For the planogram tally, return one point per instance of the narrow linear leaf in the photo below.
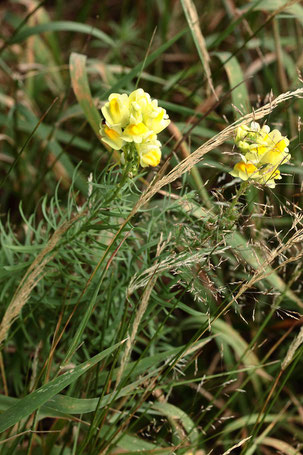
(62, 26)
(33, 401)
(280, 446)
(249, 420)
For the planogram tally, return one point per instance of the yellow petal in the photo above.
(249, 168)
(152, 158)
(136, 130)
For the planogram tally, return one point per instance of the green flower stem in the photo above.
(242, 189)
(124, 177)
(129, 154)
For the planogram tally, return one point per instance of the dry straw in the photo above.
(193, 21)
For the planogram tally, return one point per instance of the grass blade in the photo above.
(33, 401)
(62, 26)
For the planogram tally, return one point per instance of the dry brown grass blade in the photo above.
(193, 22)
(292, 349)
(281, 446)
(31, 278)
(239, 444)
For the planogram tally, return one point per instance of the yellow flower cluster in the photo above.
(262, 151)
(133, 122)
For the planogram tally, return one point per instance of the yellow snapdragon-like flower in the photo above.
(135, 132)
(156, 119)
(244, 170)
(140, 103)
(143, 109)
(248, 133)
(112, 137)
(263, 149)
(116, 111)
(149, 152)
(272, 148)
(268, 175)
(132, 124)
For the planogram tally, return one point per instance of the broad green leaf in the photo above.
(69, 405)
(135, 444)
(30, 403)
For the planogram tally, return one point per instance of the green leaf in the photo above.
(249, 420)
(295, 11)
(173, 413)
(237, 84)
(70, 405)
(62, 26)
(35, 400)
(24, 248)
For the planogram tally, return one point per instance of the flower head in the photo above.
(262, 152)
(133, 122)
